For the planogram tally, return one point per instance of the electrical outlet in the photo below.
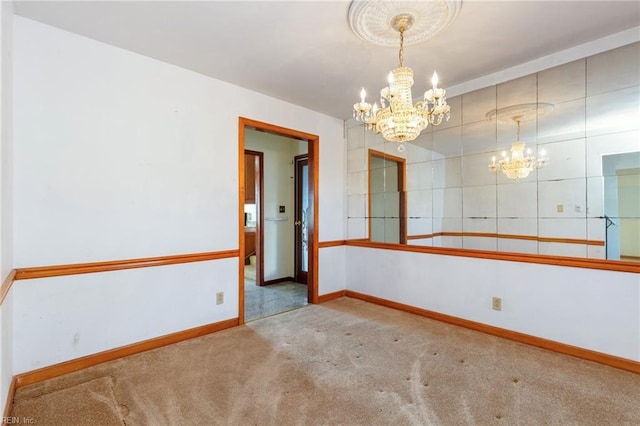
(560, 208)
(496, 304)
(219, 298)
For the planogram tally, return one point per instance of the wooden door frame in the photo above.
(259, 190)
(313, 152)
(300, 276)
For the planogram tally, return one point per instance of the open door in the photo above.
(301, 214)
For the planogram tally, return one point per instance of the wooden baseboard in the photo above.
(331, 296)
(10, 395)
(66, 367)
(587, 354)
(279, 280)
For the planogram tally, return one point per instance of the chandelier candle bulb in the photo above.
(434, 81)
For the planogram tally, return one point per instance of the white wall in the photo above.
(74, 316)
(6, 194)
(120, 156)
(332, 265)
(592, 309)
(6, 352)
(125, 145)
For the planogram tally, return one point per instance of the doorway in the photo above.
(279, 216)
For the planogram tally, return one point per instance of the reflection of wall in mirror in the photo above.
(621, 204)
(629, 210)
(384, 200)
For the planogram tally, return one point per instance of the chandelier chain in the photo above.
(401, 53)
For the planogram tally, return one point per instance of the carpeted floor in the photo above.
(262, 301)
(345, 362)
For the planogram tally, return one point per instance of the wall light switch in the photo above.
(281, 209)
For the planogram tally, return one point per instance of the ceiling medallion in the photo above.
(372, 20)
(398, 119)
(526, 112)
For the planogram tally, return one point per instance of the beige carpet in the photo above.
(60, 407)
(345, 362)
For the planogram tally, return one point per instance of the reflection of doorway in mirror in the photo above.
(387, 205)
(622, 205)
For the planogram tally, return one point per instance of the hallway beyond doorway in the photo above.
(263, 301)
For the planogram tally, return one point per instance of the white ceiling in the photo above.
(304, 52)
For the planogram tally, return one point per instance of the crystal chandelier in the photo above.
(398, 118)
(521, 162)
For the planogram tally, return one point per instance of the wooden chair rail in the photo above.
(116, 265)
(508, 236)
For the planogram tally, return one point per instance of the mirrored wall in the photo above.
(583, 116)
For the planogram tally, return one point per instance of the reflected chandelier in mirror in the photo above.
(521, 162)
